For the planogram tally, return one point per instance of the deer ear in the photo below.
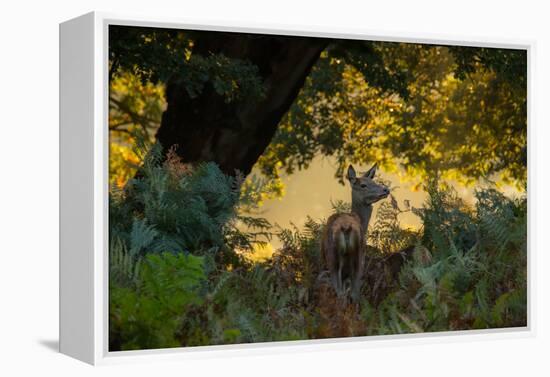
(371, 172)
(351, 174)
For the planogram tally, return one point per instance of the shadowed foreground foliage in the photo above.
(180, 276)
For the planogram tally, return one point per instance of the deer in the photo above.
(343, 243)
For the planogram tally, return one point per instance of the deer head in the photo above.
(364, 191)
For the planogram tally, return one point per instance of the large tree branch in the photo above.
(234, 135)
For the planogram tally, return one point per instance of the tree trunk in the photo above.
(234, 135)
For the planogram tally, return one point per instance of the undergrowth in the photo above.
(179, 275)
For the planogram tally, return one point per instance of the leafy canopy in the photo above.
(453, 113)
(458, 111)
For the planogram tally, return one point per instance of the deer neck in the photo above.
(364, 211)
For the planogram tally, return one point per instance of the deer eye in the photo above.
(363, 185)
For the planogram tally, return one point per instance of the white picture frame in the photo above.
(84, 191)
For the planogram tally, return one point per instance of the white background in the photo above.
(29, 185)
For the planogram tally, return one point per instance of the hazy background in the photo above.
(310, 192)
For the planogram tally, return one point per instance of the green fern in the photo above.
(178, 278)
(148, 315)
(141, 236)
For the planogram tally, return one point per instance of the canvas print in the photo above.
(268, 188)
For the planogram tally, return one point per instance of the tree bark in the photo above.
(234, 135)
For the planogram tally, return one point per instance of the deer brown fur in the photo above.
(344, 239)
